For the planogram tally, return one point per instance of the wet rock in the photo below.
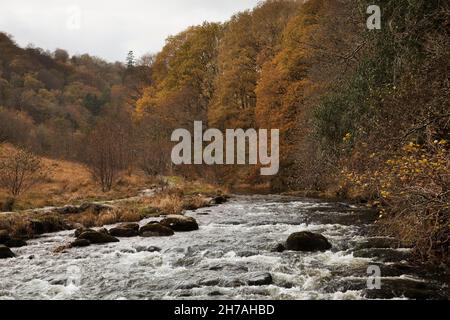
(125, 230)
(247, 253)
(15, 243)
(74, 226)
(209, 282)
(218, 200)
(385, 255)
(228, 267)
(382, 243)
(307, 242)
(279, 248)
(180, 223)
(80, 243)
(127, 251)
(4, 236)
(336, 216)
(103, 230)
(97, 237)
(147, 249)
(408, 288)
(5, 252)
(260, 279)
(155, 230)
(62, 249)
(79, 231)
(233, 283)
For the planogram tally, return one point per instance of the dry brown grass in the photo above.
(71, 183)
(174, 201)
(90, 219)
(168, 203)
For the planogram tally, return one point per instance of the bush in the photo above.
(20, 170)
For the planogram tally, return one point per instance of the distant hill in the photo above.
(48, 99)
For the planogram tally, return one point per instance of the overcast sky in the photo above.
(108, 28)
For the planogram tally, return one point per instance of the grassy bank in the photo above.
(77, 200)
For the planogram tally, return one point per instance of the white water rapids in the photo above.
(234, 244)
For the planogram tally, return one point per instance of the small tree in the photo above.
(19, 171)
(130, 60)
(109, 151)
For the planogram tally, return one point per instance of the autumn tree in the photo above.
(250, 39)
(19, 171)
(110, 149)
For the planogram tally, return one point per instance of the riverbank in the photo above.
(16, 228)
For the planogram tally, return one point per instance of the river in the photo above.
(233, 247)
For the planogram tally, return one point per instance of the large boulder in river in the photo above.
(180, 223)
(5, 252)
(125, 230)
(218, 200)
(260, 279)
(307, 242)
(80, 230)
(80, 243)
(15, 243)
(96, 237)
(155, 229)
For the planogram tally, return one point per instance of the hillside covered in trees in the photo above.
(363, 114)
(49, 101)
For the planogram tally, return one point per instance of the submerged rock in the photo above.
(15, 243)
(180, 223)
(260, 279)
(279, 248)
(103, 230)
(385, 255)
(80, 230)
(125, 230)
(218, 200)
(97, 237)
(408, 288)
(378, 242)
(147, 249)
(307, 242)
(155, 230)
(79, 243)
(5, 252)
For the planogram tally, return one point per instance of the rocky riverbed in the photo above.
(249, 248)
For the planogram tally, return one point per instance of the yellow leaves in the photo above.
(385, 194)
(411, 147)
(348, 137)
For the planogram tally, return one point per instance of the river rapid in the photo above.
(230, 257)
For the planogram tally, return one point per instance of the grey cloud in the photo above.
(106, 28)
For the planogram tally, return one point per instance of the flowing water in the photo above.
(234, 245)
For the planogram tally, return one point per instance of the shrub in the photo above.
(20, 170)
